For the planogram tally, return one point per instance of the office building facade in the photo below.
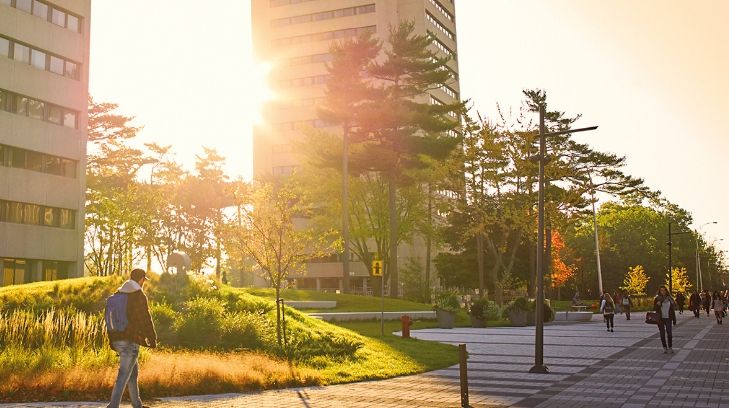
(294, 36)
(44, 71)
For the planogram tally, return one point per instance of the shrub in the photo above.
(247, 330)
(478, 308)
(446, 300)
(520, 303)
(164, 322)
(492, 311)
(200, 325)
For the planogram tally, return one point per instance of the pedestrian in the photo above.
(695, 304)
(607, 307)
(707, 301)
(627, 304)
(618, 299)
(665, 308)
(718, 306)
(680, 301)
(129, 325)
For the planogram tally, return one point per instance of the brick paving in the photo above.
(589, 367)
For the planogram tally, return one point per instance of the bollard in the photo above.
(405, 323)
(462, 357)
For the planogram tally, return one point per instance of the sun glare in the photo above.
(260, 89)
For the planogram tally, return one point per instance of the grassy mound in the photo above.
(345, 302)
(213, 339)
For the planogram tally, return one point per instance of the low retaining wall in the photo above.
(572, 316)
(311, 304)
(348, 316)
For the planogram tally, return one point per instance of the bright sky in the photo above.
(653, 74)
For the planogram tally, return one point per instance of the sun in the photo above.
(259, 89)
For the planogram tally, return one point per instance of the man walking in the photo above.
(129, 325)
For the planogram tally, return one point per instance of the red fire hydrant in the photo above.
(406, 322)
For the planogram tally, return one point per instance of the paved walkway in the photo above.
(589, 368)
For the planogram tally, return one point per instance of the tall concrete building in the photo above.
(294, 36)
(44, 71)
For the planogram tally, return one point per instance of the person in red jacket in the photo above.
(139, 331)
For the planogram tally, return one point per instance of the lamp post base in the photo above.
(539, 369)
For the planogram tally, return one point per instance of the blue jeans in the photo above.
(666, 325)
(128, 372)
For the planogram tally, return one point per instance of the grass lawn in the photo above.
(562, 305)
(345, 302)
(53, 372)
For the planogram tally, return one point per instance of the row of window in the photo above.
(16, 157)
(301, 124)
(436, 101)
(439, 26)
(448, 91)
(310, 59)
(39, 59)
(304, 81)
(277, 3)
(442, 9)
(323, 15)
(18, 271)
(284, 171)
(438, 44)
(327, 35)
(33, 108)
(48, 12)
(34, 214)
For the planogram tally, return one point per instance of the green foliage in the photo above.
(447, 300)
(492, 311)
(200, 323)
(478, 307)
(518, 304)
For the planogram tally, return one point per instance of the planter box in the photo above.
(446, 319)
(518, 318)
(478, 323)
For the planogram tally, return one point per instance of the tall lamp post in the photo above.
(539, 366)
(699, 277)
(597, 241)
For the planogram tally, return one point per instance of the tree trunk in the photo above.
(278, 314)
(392, 203)
(479, 261)
(428, 242)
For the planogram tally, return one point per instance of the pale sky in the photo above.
(653, 74)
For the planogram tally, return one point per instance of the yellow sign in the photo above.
(377, 268)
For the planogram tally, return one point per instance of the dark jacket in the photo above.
(658, 302)
(680, 299)
(140, 329)
(694, 300)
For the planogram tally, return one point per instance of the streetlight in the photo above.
(597, 241)
(539, 367)
(699, 278)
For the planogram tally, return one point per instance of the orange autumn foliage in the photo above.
(561, 272)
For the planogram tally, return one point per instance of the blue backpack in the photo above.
(115, 313)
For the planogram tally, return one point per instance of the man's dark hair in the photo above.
(138, 274)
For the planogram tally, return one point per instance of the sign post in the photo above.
(377, 271)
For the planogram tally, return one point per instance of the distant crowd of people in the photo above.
(664, 309)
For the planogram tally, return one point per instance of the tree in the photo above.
(270, 227)
(635, 281)
(681, 281)
(561, 272)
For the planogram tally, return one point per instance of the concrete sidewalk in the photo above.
(589, 368)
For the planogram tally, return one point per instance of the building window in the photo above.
(21, 105)
(35, 214)
(73, 23)
(323, 36)
(38, 58)
(21, 53)
(4, 47)
(40, 10)
(29, 160)
(24, 5)
(323, 15)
